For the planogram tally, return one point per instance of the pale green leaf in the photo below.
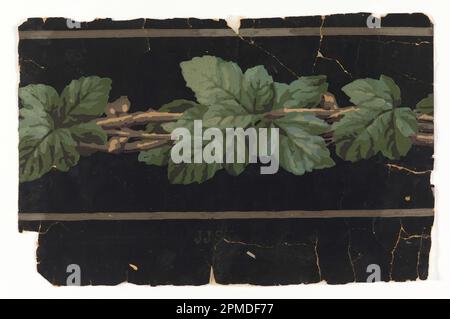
(213, 80)
(382, 94)
(301, 149)
(223, 116)
(305, 92)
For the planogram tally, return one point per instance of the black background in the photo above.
(182, 252)
(148, 72)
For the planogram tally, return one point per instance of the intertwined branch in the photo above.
(124, 139)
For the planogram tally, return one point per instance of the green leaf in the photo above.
(302, 93)
(351, 135)
(213, 80)
(378, 126)
(39, 98)
(301, 149)
(187, 119)
(307, 122)
(188, 173)
(217, 84)
(42, 146)
(257, 90)
(223, 116)
(46, 141)
(379, 94)
(235, 168)
(393, 89)
(176, 106)
(191, 111)
(391, 132)
(39, 154)
(426, 105)
(158, 156)
(84, 99)
(34, 122)
(233, 98)
(88, 133)
(364, 133)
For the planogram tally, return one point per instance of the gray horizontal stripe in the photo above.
(250, 32)
(419, 212)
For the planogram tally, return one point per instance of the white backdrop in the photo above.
(18, 274)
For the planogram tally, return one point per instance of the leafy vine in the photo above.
(56, 129)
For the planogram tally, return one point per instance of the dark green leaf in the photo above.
(34, 122)
(158, 156)
(363, 133)
(236, 168)
(42, 146)
(257, 90)
(177, 106)
(88, 133)
(426, 106)
(392, 132)
(39, 154)
(188, 173)
(351, 134)
(84, 99)
(39, 98)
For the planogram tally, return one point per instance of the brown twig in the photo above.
(328, 115)
(141, 118)
(138, 134)
(423, 140)
(138, 118)
(425, 117)
(124, 139)
(142, 145)
(126, 148)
